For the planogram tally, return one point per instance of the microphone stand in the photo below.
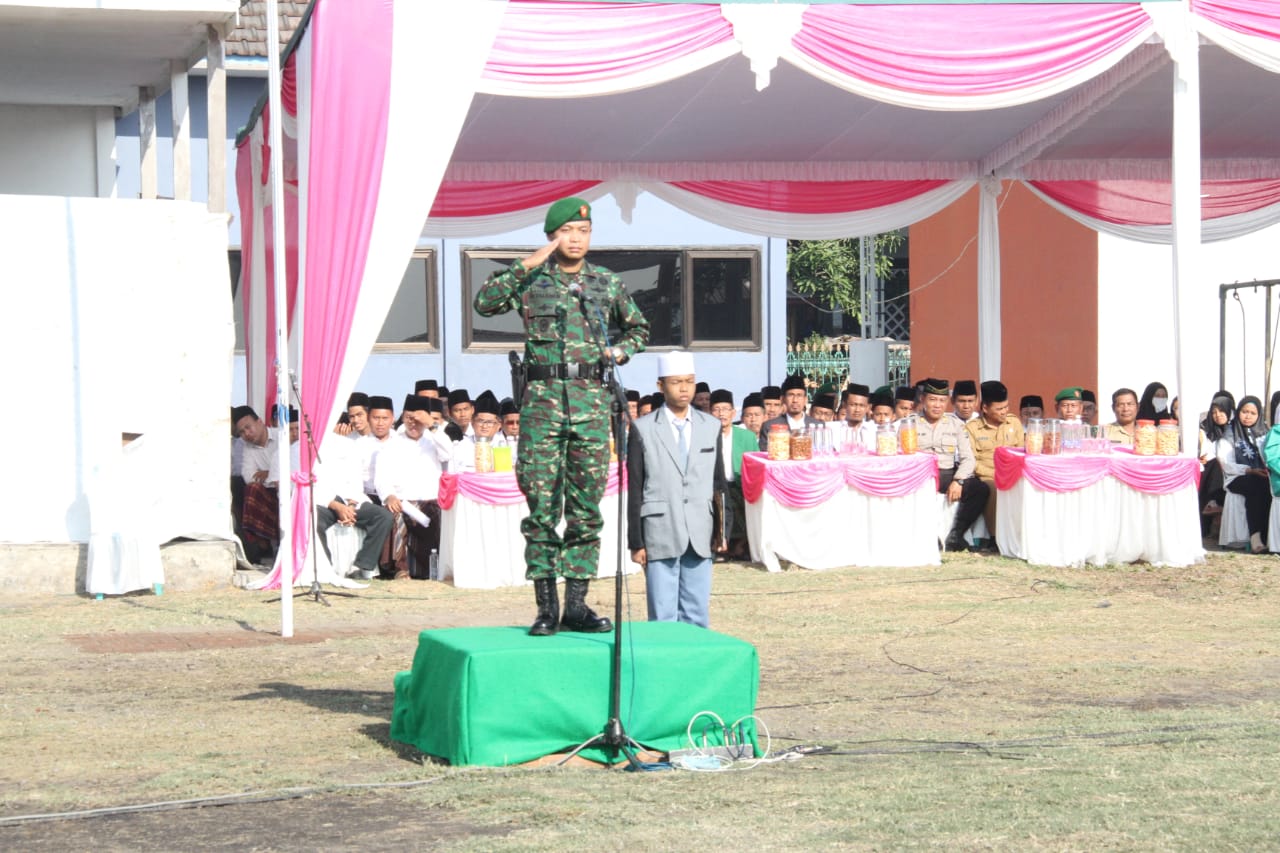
(614, 735)
(315, 593)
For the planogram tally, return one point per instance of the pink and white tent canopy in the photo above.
(780, 119)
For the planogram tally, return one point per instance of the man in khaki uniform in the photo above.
(943, 434)
(996, 427)
(1124, 402)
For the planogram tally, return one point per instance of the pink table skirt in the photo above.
(810, 483)
(498, 488)
(1154, 475)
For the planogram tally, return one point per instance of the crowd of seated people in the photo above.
(385, 477)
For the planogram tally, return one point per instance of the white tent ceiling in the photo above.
(712, 121)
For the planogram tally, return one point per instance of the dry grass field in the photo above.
(985, 704)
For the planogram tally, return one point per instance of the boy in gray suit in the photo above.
(674, 468)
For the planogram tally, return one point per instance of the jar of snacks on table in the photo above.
(1052, 429)
(779, 443)
(1033, 442)
(1167, 438)
(887, 440)
(801, 444)
(1144, 438)
(908, 436)
(484, 455)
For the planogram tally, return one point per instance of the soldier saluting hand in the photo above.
(564, 422)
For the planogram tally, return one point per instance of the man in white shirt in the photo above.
(339, 479)
(857, 414)
(460, 411)
(408, 475)
(381, 418)
(485, 421)
(260, 518)
(510, 426)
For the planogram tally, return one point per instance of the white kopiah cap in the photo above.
(675, 363)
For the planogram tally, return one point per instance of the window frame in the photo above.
(429, 254)
(688, 256)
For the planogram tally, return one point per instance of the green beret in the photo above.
(572, 209)
(1068, 394)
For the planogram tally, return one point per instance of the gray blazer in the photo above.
(670, 508)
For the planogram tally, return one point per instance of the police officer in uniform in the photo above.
(943, 434)
(564, 417)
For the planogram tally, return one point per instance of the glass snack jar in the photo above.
(1144, 438)
(908, 435)
(801, 444)
(1167, 438)
(779, 443)
(1033, 442)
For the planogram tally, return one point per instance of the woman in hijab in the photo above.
(1216, 424)
(1154, 404)
(1240, 455)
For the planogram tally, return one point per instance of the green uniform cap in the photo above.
(572, 209)
(1068, 394)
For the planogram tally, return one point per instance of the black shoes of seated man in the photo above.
(577, 615)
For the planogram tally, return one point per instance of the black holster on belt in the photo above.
(519, 378)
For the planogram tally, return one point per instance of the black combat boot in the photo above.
(544, 590)
(577, 615)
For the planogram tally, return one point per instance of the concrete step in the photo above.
(59, 568)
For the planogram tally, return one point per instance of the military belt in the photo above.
(579, 370)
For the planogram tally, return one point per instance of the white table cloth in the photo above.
(1104, 521)
(820, 521)
(481, 546)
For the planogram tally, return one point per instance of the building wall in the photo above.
(654, 224)
(1135, 318)
(1049, 313)
(48, 150)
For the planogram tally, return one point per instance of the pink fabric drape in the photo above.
(1259, 18)
(1155, 475)
(1010, 46)
(499, 488)
(810, 483)
(549, 43)
(350, 98)
(809, 196)
(1150, 202)
(488, 198)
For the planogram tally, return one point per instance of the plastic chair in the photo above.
(344, 543)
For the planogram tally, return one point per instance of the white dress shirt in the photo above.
(257, 458)
(409, 470)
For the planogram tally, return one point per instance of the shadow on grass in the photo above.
(146, 600)
(373, 703)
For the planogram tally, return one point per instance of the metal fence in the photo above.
(828, 363)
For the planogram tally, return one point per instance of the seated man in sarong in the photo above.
(260, 518)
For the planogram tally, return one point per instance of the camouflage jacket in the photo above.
(555, 325)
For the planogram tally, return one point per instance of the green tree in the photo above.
(829, 271)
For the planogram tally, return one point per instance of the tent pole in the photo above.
(284, 558)
(1183, 43)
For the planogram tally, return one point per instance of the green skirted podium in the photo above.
(496, 696)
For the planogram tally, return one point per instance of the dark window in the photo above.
(724, 301)
(411, 320)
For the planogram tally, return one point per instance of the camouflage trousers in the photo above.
(562, 469)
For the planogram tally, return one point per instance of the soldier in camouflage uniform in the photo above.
(564, 419)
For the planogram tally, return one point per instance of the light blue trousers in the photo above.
(679, 589)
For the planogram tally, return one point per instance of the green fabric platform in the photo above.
(496, 696)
